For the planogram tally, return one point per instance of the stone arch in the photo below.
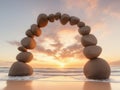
(95, 68)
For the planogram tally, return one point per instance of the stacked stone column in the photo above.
(95, 68)
(21, 68)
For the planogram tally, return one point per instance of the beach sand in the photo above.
(57, 83)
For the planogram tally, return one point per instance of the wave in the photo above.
(44, 73)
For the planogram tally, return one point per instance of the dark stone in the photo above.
(20, 69)
(97, 69)
(42, 20)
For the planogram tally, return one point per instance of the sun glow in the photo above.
(41, 59)
(61, 65)
(44, 61)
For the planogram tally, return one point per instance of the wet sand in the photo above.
(62, 84)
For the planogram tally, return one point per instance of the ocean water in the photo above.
(44, 74)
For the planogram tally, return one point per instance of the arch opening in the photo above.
(95, 68)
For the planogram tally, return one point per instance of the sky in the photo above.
(59, 45)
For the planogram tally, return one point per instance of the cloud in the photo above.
(81, 3)
(57, 48)
(51, 42)
(109, 7)
(115, 63)
(60, 52)
(74, 50)
(112, 12)
(101, 29)
(15, 43)
(94, 9)
(87, 6)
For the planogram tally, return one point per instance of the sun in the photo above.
(62, 65)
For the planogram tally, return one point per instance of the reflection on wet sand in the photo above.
(18, 85)
(56, 83)
(97, 86)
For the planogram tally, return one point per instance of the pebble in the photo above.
(84, 30)
(28, 42)
(51, 17)
(81, 24)
(42, 20)
(92, 51)
(23, 49)
(36, 30)
(29, 33)
(24, 57)
(57, 15)
(74, 20)
(88, 40)
(64, 19)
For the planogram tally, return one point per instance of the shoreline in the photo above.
(48, 84)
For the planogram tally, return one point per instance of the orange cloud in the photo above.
(87, 5)
(66, 45)
(93, 4)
